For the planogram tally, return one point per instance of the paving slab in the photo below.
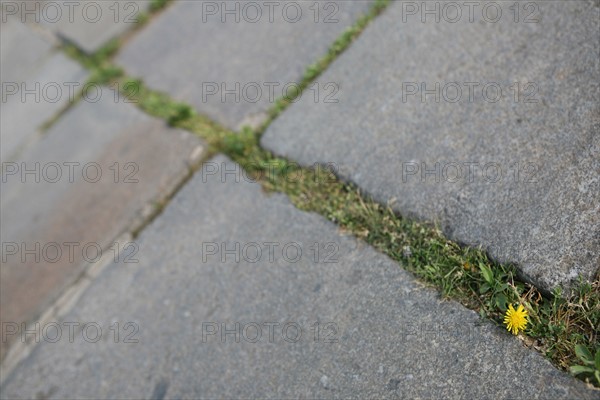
(231, 60)
(23, 50)
(271, 317)
(487, 126)
(37, 82)
(96, 174)
(88, 24)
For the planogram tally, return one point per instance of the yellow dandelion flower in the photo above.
(515, 320)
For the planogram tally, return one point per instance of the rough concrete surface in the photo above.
(380, 333)
(505, 153)
(233, 71)
(89, 24)
(37, 82)
(95, 174)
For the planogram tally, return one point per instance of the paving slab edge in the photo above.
(61, 305)
(19, 350)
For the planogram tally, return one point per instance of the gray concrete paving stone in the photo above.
(88, 180)
(87, 23)
(504, 152)
(37, 82)
(22, 51)
(233, 71)
(380, 333)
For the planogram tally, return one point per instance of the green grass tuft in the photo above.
(559, 326)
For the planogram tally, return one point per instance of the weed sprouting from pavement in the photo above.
(558, 325)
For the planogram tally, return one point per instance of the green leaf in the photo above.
(584, 354)
(598, 361)
(484, 288)
(487, 273)
(580, 369)
(501, 301)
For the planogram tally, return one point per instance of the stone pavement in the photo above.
(87, 24)
(271, 322)
(226, 69)
(97, 173)
(29, 63)
(175, 312)
(511, 167)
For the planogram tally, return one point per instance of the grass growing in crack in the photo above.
(591, 363)
(97, 60)
(143, 17)
(160, 105)
(558, 326)
(102, 70)
(156, 5)
(313, 71)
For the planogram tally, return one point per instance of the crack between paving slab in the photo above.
(57, 308)
(19, 350)
(59, 42)
(222, 140)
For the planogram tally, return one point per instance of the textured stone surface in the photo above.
(188, 48)
(66, 206)
(91, 29)
(35, 85)
(87, 23)
(22, 51)
(388, 336)
(543, 212)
